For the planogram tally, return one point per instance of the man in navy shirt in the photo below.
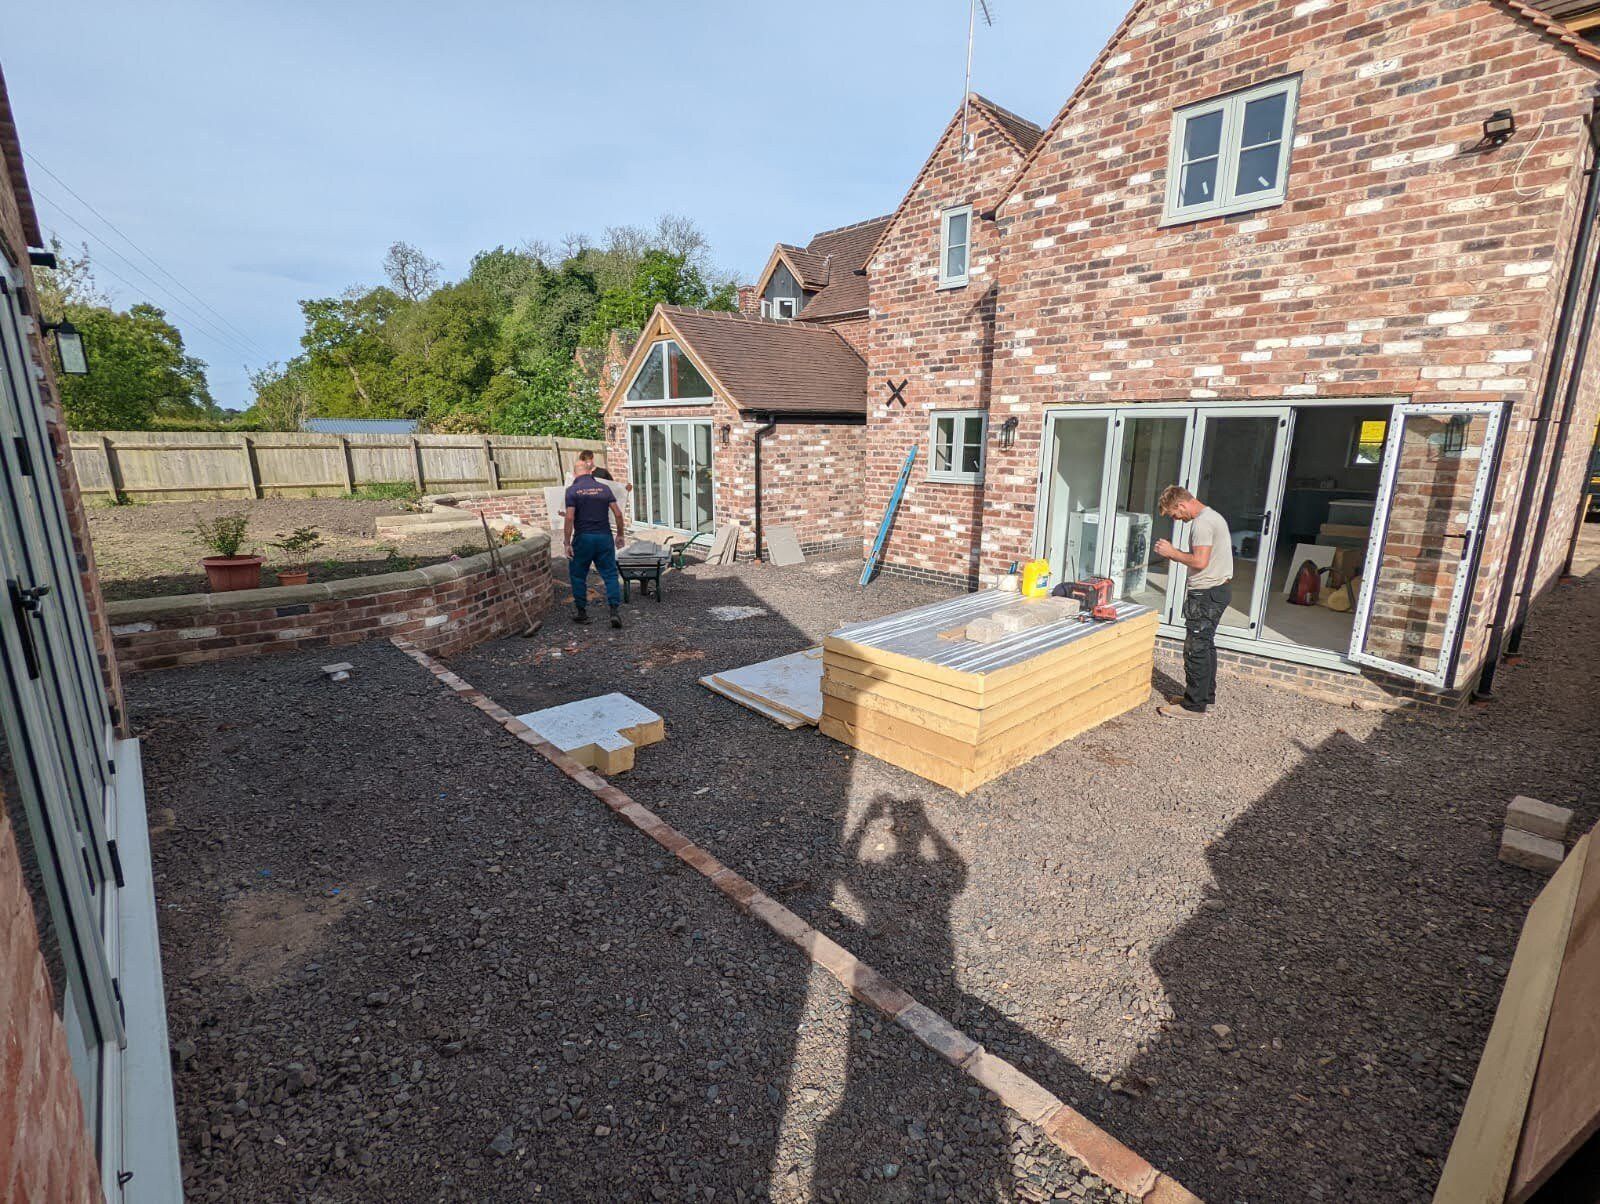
(590, 504)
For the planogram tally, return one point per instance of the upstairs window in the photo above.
(667, 377)
(780, 307)
(955, 245)
(1231, 155)
(958, 446)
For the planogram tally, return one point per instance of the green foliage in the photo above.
(138, 372)
(515, 347)
(223, 535)
(387, 491)
(299, 544)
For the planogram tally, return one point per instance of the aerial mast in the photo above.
(966, 86)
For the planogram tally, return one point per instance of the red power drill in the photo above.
(1094, 598)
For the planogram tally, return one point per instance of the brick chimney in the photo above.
(749, 300)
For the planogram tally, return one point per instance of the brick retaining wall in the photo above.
(443, 608)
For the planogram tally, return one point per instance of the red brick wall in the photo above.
(811, 472)
(45, 1151)
(441, 609)
(855, 331)
(942, 341)
(1403, 263)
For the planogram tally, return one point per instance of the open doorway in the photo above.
(1330, 488)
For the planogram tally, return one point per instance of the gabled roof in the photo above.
(760, 364)
(1019, 132)
(845, 252)
(1527, 12)
(11, 147)
(1546, 17)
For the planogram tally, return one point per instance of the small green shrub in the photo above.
(387, 491)
(464, 550)
(223, 535)
(299, 544)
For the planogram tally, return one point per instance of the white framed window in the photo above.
(785, 307)
(667, 377)
(1367, 438)
(766, 308)
(955, 246)
(1231, 154)
(957, 440)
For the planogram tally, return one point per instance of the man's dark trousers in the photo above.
(595, 548)
(1202, 611)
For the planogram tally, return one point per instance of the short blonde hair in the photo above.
(1171, 496)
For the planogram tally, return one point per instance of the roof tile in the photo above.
(770, 365)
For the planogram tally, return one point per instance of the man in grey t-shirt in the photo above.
(1210, 564)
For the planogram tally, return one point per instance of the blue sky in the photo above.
(262, 152)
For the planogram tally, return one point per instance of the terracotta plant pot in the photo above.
(225, 573)
(294, 577)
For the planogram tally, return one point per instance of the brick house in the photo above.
(85, 1086)
(1326, 262)
(753, 418)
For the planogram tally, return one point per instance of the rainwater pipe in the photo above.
(1541, 429)
(761, 433)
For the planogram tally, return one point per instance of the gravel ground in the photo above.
(1264, 953)
(407, 960)
(144, 550)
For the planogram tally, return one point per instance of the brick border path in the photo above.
(1066, 1128)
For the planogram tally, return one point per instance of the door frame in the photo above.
(1477, 519)
(710, 424)
(1173, 609)
(1047, 463)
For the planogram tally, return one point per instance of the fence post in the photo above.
(252, 477)
(491, 470)
(346, 465)
(416, 464)
(113, 469)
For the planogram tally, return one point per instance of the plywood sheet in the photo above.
(783, 545)
(1478, 1167)
(601, 733)
(791, 684)
(1564, 1108)
(793, 723)
(555, 506)
(724, 545)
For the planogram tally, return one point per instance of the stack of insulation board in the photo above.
(909, 691)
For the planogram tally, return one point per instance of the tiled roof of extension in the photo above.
(1546, 17)
(12, 147)
(1014, 126)
(844, 251)
(767, 365)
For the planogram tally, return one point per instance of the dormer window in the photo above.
(785, 308)
(668, 377)
(1231, 154)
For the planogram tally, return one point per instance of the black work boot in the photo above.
(616, 617)
(580, 615)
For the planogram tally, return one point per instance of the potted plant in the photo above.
(298, 546)
(225, 568)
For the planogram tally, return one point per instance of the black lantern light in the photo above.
(724, 433)
(1498, 127)
(1008, 432)
(69, 349)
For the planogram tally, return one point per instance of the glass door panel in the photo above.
(639, 471)
(1150, 455)
(1425, 531)
(1238, 474)
(682, 478)
(1075, 477)
(660, 477)
(702, 477)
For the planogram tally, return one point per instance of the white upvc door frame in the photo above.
(1476, 519)
(643, 498)
(1272, 502)
(1047, 460)
(1173, 611)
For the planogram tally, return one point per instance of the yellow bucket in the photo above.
(1036, 579)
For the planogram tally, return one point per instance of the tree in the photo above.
(70, 282)
(283, 396)
(138, 372)
(411, 273)
(349, 354)
(661, 278)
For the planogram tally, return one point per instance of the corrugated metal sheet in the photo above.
(360, 426)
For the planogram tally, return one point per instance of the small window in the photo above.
(955, 246)
(958, 446)
(766, 308)
(1366, 443)
(1231, 155)
(785, 307)
(667, 376)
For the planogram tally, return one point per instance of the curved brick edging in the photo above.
(524, 505)
(443, 608)
(1062, 1125)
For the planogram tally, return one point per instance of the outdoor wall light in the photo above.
(69, 348)
(611, 430)
(724, 433)
(1008, 432)
(1498, 127)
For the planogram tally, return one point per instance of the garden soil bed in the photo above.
(144, 550)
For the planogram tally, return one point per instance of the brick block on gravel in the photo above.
(1100, 1152)
(867, 986)
(698, 859)
(937, 1033)
(640, 817)
(1015, 1090)
(1531, 852)
(1539, 818)
(780, 919)
(740, 889)
(831, 956)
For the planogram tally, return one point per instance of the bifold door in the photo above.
(1426, 527)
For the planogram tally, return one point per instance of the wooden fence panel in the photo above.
(177, 465)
